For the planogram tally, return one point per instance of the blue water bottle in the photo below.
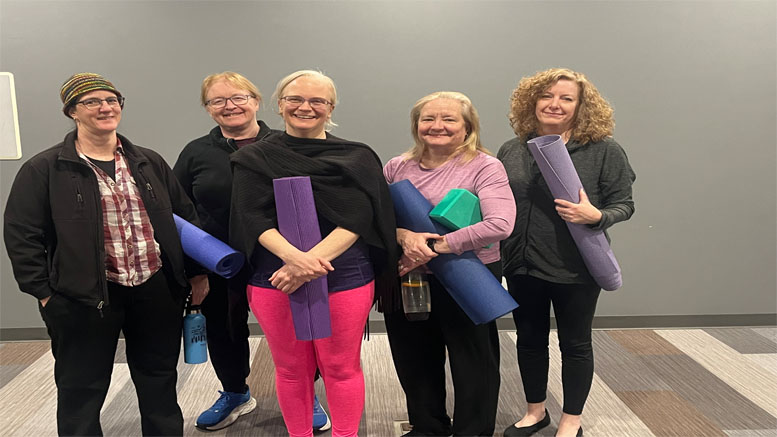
(195, 339)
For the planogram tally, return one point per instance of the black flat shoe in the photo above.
(580, 432)
(514, 431)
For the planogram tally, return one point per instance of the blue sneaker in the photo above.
(320, 418)
(226, 410)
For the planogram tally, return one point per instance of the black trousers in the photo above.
(83, 343)
(574, 306)
(418, 349)
(229, 352)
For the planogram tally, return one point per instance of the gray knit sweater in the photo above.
(541, 245)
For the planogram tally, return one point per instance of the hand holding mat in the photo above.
(207, 250)
(298, 223)
(559, 173)
(467, 280)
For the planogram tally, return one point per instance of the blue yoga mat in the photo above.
(207, 250)
(298, 223)
(559, 173)
(468, 281)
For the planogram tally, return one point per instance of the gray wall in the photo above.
(692, 84)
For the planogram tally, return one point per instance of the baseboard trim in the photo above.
(506, 324)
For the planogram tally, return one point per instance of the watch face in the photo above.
(430, 243)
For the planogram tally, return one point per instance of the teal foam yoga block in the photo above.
(458, 209)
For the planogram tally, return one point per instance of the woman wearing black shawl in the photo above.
(357, 253)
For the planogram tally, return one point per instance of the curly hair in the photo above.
(471, 145)
(593, 119)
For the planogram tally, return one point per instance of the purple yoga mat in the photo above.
(558, 171)
(298, 223)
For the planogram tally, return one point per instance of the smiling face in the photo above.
(99, 121)
(556, 107)
(232, 117)
(441, 125)
(304, 121)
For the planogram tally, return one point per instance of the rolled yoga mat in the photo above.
(467, 280)
(298, 223)
(559, 173)
(207, 250)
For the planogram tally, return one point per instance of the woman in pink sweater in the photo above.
(448, 154)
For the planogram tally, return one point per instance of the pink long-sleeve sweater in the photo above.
(485, 177)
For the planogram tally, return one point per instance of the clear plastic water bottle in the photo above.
(195, 338)
(415, 296)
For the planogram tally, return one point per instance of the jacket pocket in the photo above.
(71, 200)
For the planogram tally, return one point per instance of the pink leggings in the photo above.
(336, 357)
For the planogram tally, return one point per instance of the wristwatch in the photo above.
(430, 244)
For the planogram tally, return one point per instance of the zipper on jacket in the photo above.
(149, 188)
(99, 244)
(79, 197)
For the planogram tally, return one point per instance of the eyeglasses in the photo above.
(315, 102)
(95, 103)
(220, 102)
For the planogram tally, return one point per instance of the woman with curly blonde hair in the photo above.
(541, 261)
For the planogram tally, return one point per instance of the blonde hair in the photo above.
(283, 83)
(471, 145)
(593, 119)
(237, 80)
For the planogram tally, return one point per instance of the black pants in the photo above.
(83, 343)
(229, 352)
(418, 349)
(574, 306)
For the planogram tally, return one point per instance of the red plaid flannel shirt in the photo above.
(132, 255)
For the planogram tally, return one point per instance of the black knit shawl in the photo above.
(348, 187)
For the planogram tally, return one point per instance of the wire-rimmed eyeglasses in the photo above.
(220, 102)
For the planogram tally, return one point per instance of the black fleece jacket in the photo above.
(53, 228)
(204, 171)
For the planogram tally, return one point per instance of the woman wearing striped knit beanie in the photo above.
(90, 233)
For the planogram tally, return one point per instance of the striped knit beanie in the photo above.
(80, 84)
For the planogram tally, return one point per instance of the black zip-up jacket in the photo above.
(204, 171)
(53, 226)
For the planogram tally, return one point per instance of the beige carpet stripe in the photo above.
(25, 395)
(667, 414)
(512, 400)
(119, 379)
(750, 432)
(752, 380)
(643, 342)
(198, 392)
(267, 418)
(605, 413)
(384, 401)
(767, 361)
(43, 422)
